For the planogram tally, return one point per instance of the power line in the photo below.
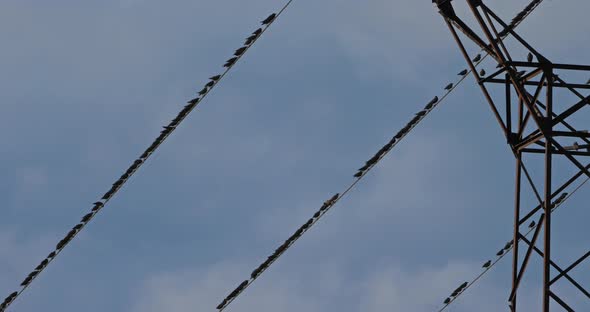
(168, 129)
(370, 164)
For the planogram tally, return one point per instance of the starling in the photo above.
(532, 225)
(317, 214)
(487, 264)
(98, 203)
(463, 72)
(240, 51)
(449, 86)
(421, 113)
(482, 72)
(508, 245)
(51, 255)
(358, 174)
(222, 304)
(230, 62)
(194, 101)
(431, 103)
(447, 301)
(203, 91)
(78, 227)
(87, 217)
(499, 253)
(250, 39)
(477, 58)
(269, 19)
(215, 78)
(26, 281)
(529, 57)
(463, 285)
(257, 32)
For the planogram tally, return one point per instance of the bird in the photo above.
(463, 285)
(230, 62)
(532, 225)
(317, 214)
(203, 91)
(449, 86)
(194, 101)
(487, 264)
(508, 245)
(431, 103)
(529, 57)
(210, 84)
(78, 227)
(51, 255)
(168, 128)
(482, 72)
(240, 51)
(87, 217)
(463, 72)
(250, 39)
(257, 32)
(499, 253)
(26, 281)
(269, 19)
(477, 58)
(421, 113)
(447, 300)
(215, 78)
(358, 174)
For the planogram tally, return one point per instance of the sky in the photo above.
(86, 87)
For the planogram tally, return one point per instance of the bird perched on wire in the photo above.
(249, 40)
(431, 103)
(210, 84)
(269, 19)
(463, 72)
(529, 57)
(230, 62)
(482, 72)
(203, 91)
(499, 253)
(240, 51)
(487, 264)
(257, 32)
(532, 225)
(449, 86)
(477, 58)
(447, 300)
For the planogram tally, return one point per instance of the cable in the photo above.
(370, 164)
(168, 129)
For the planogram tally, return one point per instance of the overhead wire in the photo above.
(137, 163)
(370, 164)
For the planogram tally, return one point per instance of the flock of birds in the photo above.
(167, 130)
(318, 214)
(501, 253)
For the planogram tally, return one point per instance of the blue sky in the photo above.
(86, 88)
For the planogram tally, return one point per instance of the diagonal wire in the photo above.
(328, 204)
(168, 129)
(564, 197)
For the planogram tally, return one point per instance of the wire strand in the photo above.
(168, 129)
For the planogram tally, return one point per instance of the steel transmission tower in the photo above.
(533, 123)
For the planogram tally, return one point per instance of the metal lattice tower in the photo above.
(533, 123)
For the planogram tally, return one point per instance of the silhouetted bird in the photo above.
(78, 227)
(477, 58)
(317, 214)
(194, 101)
(363, 168)
(532, 225)
(529, 57)
(499, 253)
(508, 245)
(222, 304)
(431, 103)
(421, 113)
(269, 19)
(240, 51)
(447, 301)
(51, 255)
(26, 281)
(463, 72)
(230, 62)
(455, 293)
(449, 86)
(203, 91)
(463, 285)
(42, 264)
(215, 78)
(482, 72)
(487, 264)
(87, 217)
(250, 39)
(358, 174)
(257, 32)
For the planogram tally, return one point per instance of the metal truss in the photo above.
(532, 124)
